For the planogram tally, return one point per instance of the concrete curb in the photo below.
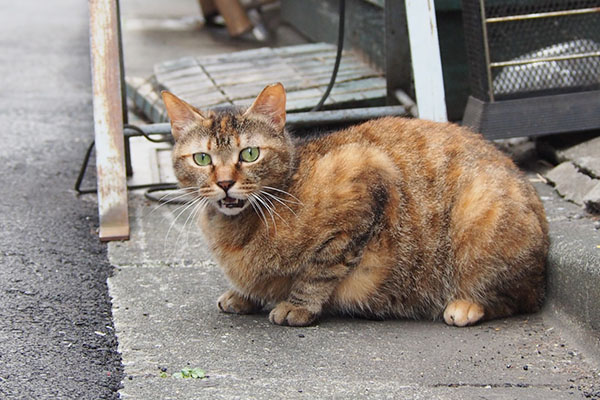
(573, 264)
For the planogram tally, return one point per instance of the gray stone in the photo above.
(570, 182)
(585, 155)
(592, 199)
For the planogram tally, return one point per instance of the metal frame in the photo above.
(426, 60)
(403, 61)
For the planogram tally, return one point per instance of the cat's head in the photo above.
(229, 156)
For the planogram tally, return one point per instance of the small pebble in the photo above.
(577, 216)
(525, 367)
(301, 335)
(597, 225)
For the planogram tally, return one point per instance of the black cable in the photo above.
(82, 170)
(151, 186)
(159, 187)
(144, 134)
(338, 56)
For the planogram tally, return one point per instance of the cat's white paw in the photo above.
(463, 313)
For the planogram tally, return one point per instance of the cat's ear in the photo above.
(270, 103)
(181, 114)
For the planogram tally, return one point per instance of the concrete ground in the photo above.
(164, 291)
(165, 287)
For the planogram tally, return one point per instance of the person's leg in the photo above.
(235, 16)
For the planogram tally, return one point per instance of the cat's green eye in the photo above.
(249, 154)
(202, 159)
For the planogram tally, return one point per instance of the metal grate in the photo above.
(525, 48)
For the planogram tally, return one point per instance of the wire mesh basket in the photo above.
(521, 49)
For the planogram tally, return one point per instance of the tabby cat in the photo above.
(394, 217)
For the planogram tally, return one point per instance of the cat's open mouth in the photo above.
(230, 202)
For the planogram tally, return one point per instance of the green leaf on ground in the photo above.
(196, 373)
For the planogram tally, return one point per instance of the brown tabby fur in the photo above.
(391, 218)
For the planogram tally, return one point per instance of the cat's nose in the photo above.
(225, 185)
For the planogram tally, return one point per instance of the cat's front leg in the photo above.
(234, 303)
(310, 291)
(286, 313)
(348, 228)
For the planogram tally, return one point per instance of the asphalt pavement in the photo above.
(57, 338)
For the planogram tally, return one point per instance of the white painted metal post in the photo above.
(426, 60)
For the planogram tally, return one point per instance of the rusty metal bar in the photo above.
(108, 120)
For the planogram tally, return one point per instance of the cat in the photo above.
(392, 218)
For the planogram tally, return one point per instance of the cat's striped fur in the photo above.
(391, 218)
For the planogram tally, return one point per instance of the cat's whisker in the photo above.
(185, 207)
(272, 208)
(180, 211)
(267, 208)
(179, 194)
(162, 202)
(189, 222)
(284, 192)
(185, 224)
(183, 230)
(183, 191)
(279, 200)
(193, 217)
(195, 212)
(258, 211)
